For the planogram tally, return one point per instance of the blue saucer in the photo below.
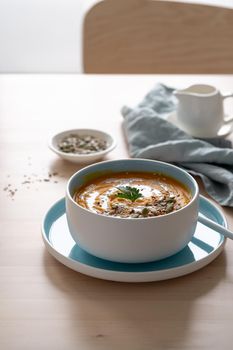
(204, 247)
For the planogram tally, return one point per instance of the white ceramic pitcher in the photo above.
(200, 110)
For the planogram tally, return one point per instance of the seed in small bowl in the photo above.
(82, 145)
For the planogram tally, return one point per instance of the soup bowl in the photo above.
(131, 240)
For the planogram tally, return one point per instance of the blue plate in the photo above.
(204, 247)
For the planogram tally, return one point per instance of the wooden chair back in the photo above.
(146, 36)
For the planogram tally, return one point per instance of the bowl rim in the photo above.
(112, 145)
(159, 217)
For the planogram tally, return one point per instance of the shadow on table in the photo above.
(66, 169)
(144, 314)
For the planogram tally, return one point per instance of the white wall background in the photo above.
(41, 35)
(46, 35)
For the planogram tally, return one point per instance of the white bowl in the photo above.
(131, 240)
(82, 158)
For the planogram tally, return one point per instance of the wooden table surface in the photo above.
(45, 305)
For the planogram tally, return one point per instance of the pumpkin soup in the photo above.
(133, 195)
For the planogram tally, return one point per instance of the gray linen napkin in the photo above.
(151, 136)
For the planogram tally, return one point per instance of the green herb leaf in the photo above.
(128, 192)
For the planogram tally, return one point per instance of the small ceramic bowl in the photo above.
(82, 158)
(131, 240)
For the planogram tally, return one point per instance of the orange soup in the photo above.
(133, 195)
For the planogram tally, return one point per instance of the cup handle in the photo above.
(230, 118)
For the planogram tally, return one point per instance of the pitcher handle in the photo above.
(230, 118)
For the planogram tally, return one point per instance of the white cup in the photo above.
(200, 110)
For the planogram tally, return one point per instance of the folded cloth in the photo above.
(151, 136)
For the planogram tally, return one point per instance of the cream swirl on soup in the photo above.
(133, 195)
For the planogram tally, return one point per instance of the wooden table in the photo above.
(45, 305)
